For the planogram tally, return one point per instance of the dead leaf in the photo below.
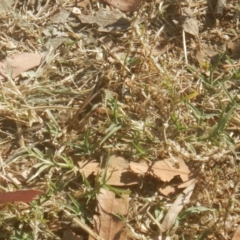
(107, 41)
(19, 63)
(199, 56)
(166, 191)
(89, 167)
(236, 235)
(165, 169)
(190, 26)
(61, 16)
(19, 196)
(125, 5)
(108, 226)
(54, 42)
(176, 207)
(233, 47)
(118, 173)
(108, 21)
(139, 168)
(171, 187)
(83, 3)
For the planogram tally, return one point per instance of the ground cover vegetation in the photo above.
(123, 115)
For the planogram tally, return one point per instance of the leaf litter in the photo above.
(19, 196)
(190, 25)
(111, 211)
(125, 5)
(236, 235)
(118, 172)
(107, 20)
(122, 173)
(15, 65)
(165, 169)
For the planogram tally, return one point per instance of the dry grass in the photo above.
(87, 102)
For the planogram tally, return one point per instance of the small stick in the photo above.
(185, 47)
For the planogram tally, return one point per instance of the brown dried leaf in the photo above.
(176, 207)
(190, 26)
(199, 56)
(19, 196)
(236, 235)
(107, 225)
(166, 191)
(61, 16)
(83, 3)
(19, 63)
(118, 173)
(55, 42)
(107, 41)
(233, 47)
(89, 167)
(198, 52)
(124, 5)
(165, 169)
(139, 168)
(108, 21)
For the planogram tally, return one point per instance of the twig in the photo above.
(185, 47)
